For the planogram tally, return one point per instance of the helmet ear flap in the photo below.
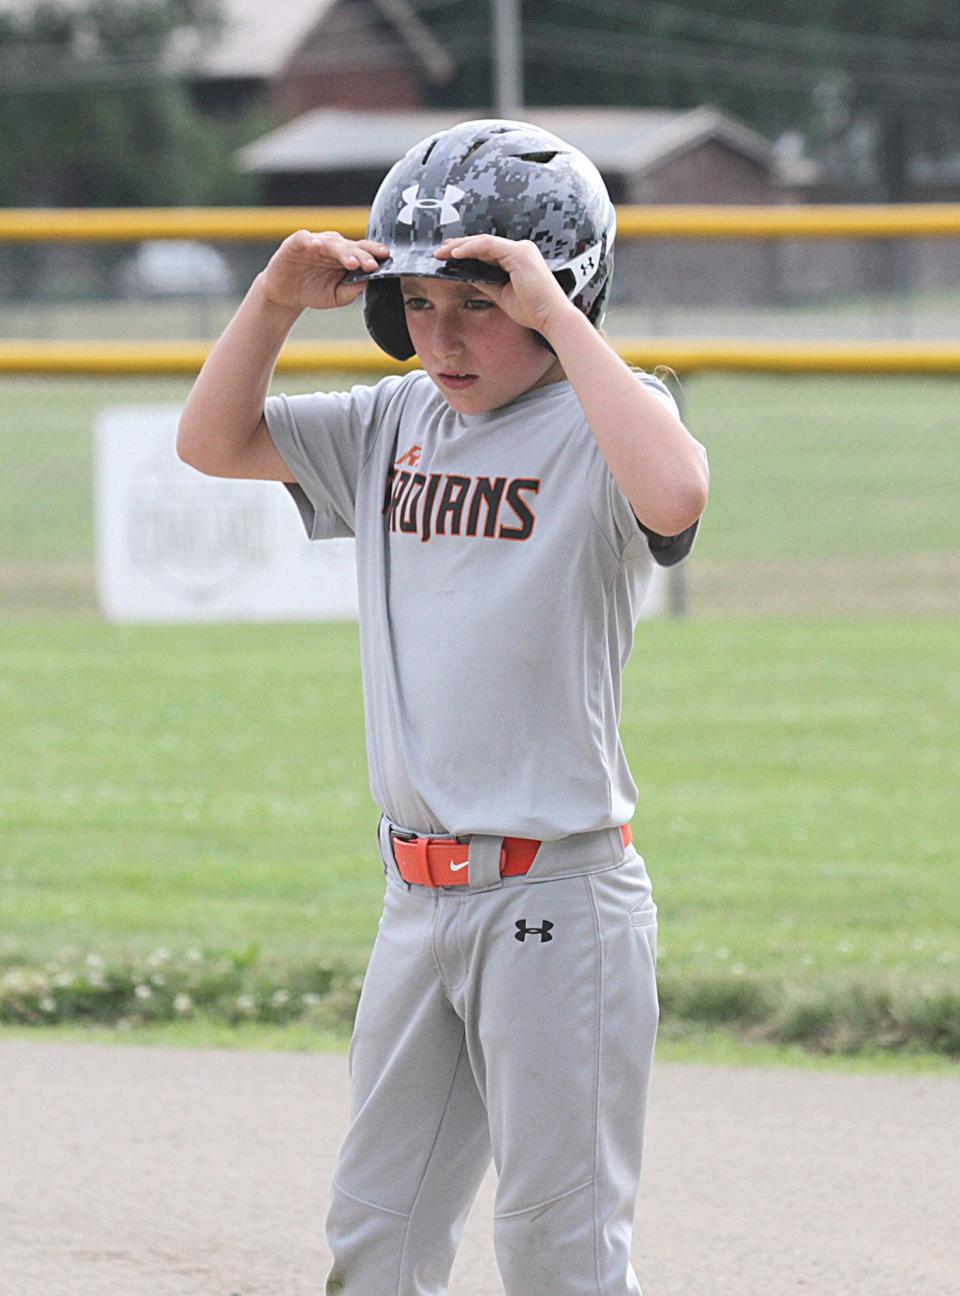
(599, 308)
(596, 312)
(384, 317)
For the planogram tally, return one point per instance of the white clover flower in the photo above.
(64, 980)
(246, 1003)
(94, 961)
(48, 1005)
(158, 980)
(143, 992)
(194, 955)
(311, 1000)
(182, 1003)
(158, 956)
(279, 998)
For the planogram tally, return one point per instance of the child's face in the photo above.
(475, 353)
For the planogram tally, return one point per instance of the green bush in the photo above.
(234, 986)
(226, 985)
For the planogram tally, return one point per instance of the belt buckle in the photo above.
(421, 847)
(418, 843)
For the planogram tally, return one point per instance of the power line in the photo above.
(777, 35)
(428, 6)
(18, 78)
(608, 51)
(26, 67)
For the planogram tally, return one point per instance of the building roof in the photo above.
(256, 41)
(259, 39)
(619, 141)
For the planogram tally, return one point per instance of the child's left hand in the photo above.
(532, 297)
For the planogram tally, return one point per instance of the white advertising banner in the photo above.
(175, 545)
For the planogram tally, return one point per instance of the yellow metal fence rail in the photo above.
(155, 358)
(933, 220)
(903, 220)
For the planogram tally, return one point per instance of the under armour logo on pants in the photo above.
(544, 932)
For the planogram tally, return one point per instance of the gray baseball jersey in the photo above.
(500, 572)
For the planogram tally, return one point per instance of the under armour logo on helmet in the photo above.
(582, 268)
(447, 205)
(523, 931)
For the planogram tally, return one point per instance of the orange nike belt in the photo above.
(440, 861)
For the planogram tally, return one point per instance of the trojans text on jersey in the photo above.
(446, 504)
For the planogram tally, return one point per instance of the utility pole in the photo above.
(508, 58)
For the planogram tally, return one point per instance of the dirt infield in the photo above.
(163, 1172)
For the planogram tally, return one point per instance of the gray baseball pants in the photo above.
(514, 1017)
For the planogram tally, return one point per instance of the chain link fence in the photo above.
(824, 288)
(831, 495)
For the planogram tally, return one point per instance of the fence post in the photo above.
(677, 590)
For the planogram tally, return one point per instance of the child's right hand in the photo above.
(307, 270)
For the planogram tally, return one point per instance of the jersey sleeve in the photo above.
(615, 513)
(325, 438)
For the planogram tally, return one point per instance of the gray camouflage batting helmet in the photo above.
(488, 177)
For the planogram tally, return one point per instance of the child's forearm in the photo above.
(223, 411)
(652, 457)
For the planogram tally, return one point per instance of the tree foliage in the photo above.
(867, 85)
(90, 115)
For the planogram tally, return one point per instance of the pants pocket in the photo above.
(638, 892)
(644, 914)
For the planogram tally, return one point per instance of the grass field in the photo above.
(830, 496)
(186, 808)
(205, 788)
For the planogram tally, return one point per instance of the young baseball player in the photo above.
(509, 502)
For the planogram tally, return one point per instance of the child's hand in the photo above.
(532, 297)
(307, 270)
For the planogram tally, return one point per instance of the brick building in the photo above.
(292, 55)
